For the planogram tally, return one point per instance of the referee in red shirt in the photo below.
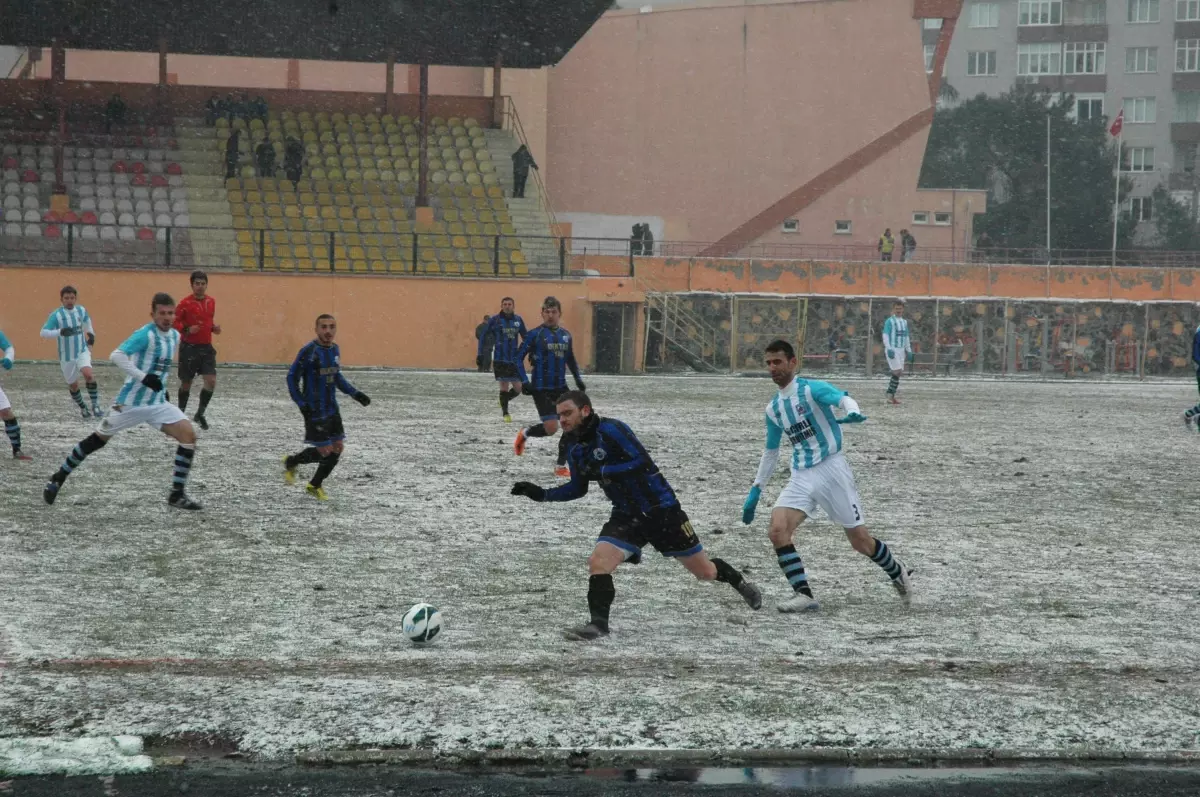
(194, 320)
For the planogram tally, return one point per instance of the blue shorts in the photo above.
(668, 530)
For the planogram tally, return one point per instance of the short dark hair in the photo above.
(576, 397)
(781, 346)
(67, 289)
(897, 301)
(508, 299)
(161, 300)
(198, 275)
(323, 315)
(549, 302)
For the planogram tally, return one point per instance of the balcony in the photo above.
(1040, 34)
(1185, 132)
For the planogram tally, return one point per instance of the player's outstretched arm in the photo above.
(50, 328)
(10, 353)
(852, 410)
(766, 467)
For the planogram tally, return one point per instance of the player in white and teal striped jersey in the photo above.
(71, 326)
(897, 347)
(146, 360)
(11, 426)
(803, 411)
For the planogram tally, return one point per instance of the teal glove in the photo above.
(910, 356)
(750, 505)
(854, 417)
(891, 355)
(6, 364)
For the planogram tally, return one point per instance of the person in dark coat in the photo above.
(259, 108)
(231, 154)
(114, 113)
(231, 107)
(908, 246)
(647, 240)
(293, 159)
(264, 158)
(635, 240)
(481, 332)
(522, 161)
(212, 110)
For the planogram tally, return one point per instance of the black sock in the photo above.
(512, 394)
(727, 573)
(600, 597)
(13, 428)
(88, 445)
(328, 463)
(184, 395)
(93, 390)
(793, 569)
(564, 444)
(184, 455)
(305, 457)
(205, 397)
(536, 431)
(505, 397)
(78, 397)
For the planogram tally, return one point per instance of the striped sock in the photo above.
(14, 433)
(78, 398)
(89, 445)
(1193, 412)
(893, 385)
(883, 558)
(94, 393)
(183, 466)
(793, 569)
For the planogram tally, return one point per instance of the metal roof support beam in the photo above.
(497, 93)
(423, 169)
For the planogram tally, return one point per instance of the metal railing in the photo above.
(512, 123)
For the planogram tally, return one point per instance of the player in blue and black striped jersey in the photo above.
(508, 331)
(550, 353)
(645, 509)
(313, 382)
(1193, 415)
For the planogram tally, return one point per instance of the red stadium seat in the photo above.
(52, 231)
(70, 217)
(174, 168)
(51, 216)
(139, 179)
(158, 181)
(119, 167)
(30, 176)
(11, 163)
(139, 168)
(90, 218)
(145, 234)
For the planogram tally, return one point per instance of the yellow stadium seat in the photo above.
(345, 213)
(247, 250)
(250, 264)
(341, 265)
(304, 264)
(368, 226)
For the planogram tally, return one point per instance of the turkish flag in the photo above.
(1118, 123)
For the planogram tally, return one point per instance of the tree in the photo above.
(999, 144)
(1174, 222)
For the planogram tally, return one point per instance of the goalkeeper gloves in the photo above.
(153, 382)
(6, 364)
(529, 490)
(910, 356)
(91, 339)
(891, 355)
(67, 332)
(853, 417)
(751, 504)
(362, 398)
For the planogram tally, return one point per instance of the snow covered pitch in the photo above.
(1054, 529)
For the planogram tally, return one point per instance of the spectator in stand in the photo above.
(213, 110)
(293, 159)
(231, 107)
(232, 154)
(647, 240)
(259, 109)
(486, 345)
(982, 245)
(264, 158)
(887, 245)
(522, 161)
(908, 246)
(114, 113)
(635, 240)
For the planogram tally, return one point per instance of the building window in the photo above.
(1039, 59)
(920, 217)
(1089, 108)
(1187, 55)
(1140, 110)
(1141, 59)
(1041, 12)
(1083, 58)
(929, 51)
(941, 217)
(1187, 10)
(985, 15)
(932, 23)
(1142, 208)
(791, 225)
(1139, 159)
(1142, 11)
(841, 227)
(980, 63)
(1187, 106)
(1094, 12)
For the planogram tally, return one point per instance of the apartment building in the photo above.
(1142, 55)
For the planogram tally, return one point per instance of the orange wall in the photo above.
(410, 322)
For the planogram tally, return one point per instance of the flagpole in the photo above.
(1117, 190)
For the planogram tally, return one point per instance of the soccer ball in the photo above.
(422, 623)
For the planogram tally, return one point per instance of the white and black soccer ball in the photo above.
(422, 623)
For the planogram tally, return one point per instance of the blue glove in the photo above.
(6, 364)
(891, 355)
(750, 505)
(853, 417)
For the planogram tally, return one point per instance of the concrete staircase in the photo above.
(528, 217)
(202, 157)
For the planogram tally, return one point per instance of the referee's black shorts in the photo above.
(546, 402)
(196, 359)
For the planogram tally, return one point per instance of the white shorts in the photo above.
(896, 363)
(4, 402)
(829, 485)
(156, 415)
(72, 368)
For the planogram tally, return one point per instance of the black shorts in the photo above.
(196, 359)
(505, 372)
(325, 431)
(546, 402)
(668, 530)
